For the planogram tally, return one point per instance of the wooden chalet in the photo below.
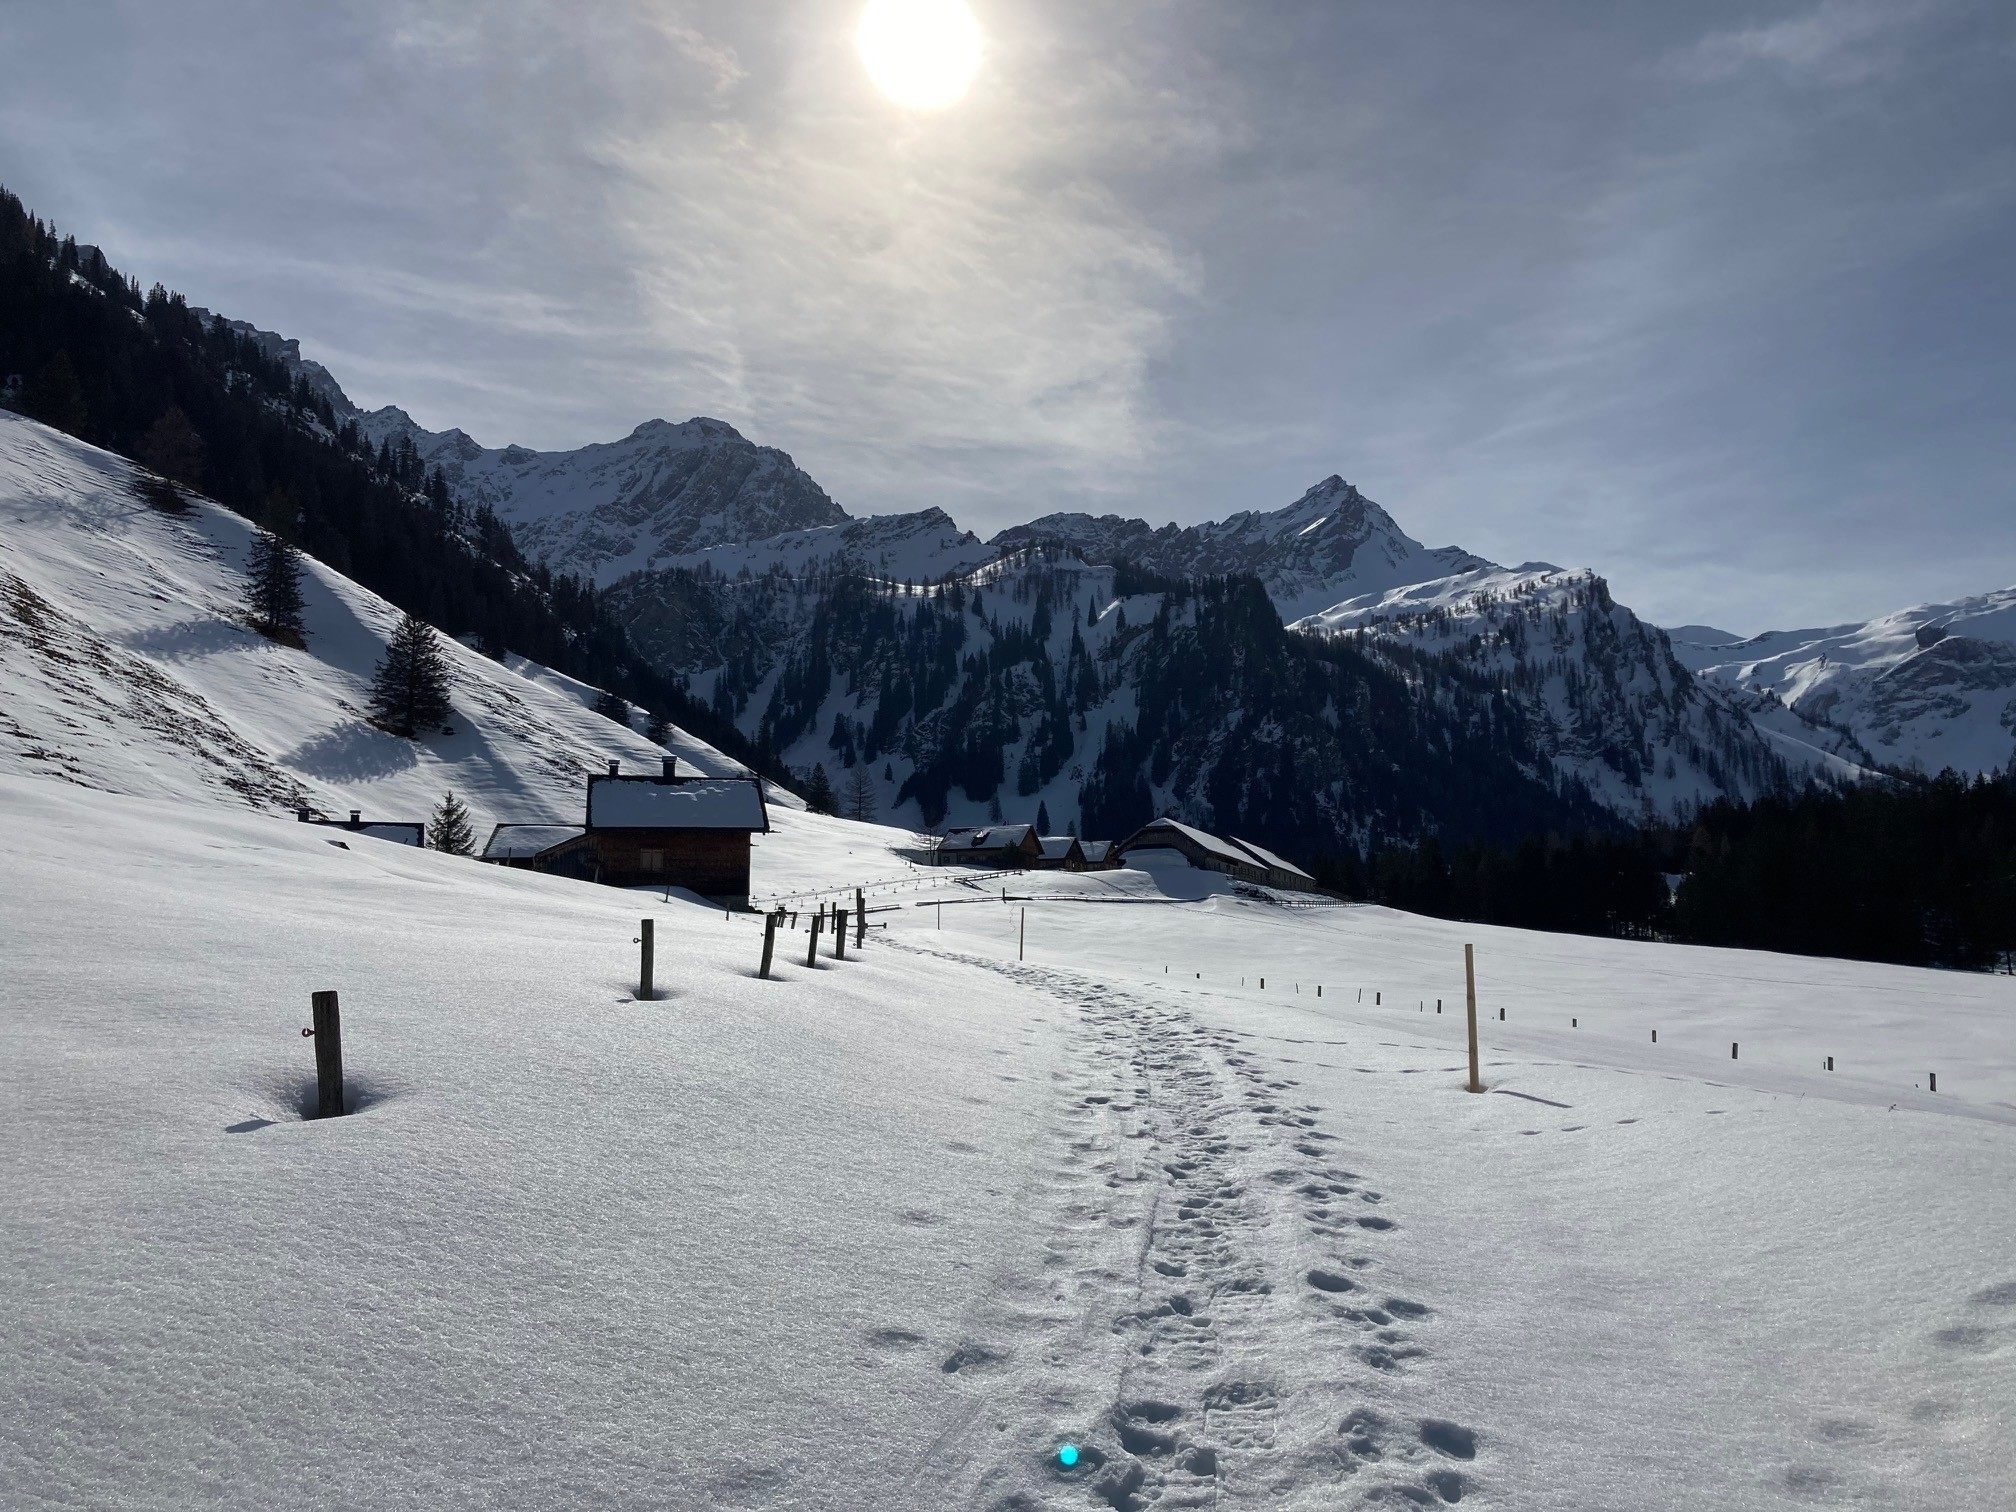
(1235, 858)
(1060, 853)
(649, 830)
(1098, 854)
(996, 845)
(399, 832)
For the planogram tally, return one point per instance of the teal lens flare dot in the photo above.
(1067, 1455)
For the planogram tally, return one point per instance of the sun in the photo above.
(922, 54)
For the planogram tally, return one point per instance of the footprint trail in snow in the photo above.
(1200, 1307)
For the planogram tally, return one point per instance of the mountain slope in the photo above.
(1603, 692)
(1925, 688)
(125, 666)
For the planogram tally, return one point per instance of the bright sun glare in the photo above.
(922, 54)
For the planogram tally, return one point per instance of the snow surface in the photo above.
(883, 1234)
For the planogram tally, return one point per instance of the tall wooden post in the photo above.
(1022, 938)
(839, 934)
(769, 944)
(812, 941)
(860, 920)
(644, 962)
(328, 1025)
(1470, 997)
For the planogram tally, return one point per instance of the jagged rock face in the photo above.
(618, 507)
(1926, 688)
(1330, 545)
(1601, 690)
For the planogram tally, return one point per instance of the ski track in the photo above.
(1204, 1314)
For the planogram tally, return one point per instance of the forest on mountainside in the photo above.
(1917, 872)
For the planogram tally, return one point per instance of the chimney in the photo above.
(613, 767)
(356, 817)
(671, 769)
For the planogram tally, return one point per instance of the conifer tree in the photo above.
(451, 830)
(861, 804)
(409, 693)
(613, 706)
(1042, 818)
(275, 590)
(657, 729)
(819, 791)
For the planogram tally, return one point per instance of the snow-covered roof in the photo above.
(1268, 858)
(1057, 847)
(707, 803)
(1096, 850)
(516, 841)
(399, 832)
(1206, 842)
(994, 837)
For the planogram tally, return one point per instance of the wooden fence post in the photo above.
(1470, 997)
(860, 920)
(644, 962)
(839, 934)
(812, 941)
(1732, 1049)
(1934, 1075)
(328, 1027)
(1022, 938)
(769, 944)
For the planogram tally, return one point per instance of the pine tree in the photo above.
(55, 397)
(819, 791)
(861, 805)
(1042, 818)
(613, 706)
(657, 729)
(276, 589)
(173, 449)
(410, 691)
(451, 831)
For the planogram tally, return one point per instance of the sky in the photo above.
(1716, 298)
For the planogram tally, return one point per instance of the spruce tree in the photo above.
(1042, 818)
(819, 791)
(657, 729)
(275, 590)
(451, 830)
(409, 693)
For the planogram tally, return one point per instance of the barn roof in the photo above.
(1203, 841)
(1057, 847)
(700, 803)
(1096, 850)
(515, 842)
(993, 837)
(1269, 859)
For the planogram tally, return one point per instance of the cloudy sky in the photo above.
(1717, 298)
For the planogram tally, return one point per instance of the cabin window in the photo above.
(651, 860)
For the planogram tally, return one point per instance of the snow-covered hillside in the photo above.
(889, 1233)
(1331, 544)
(126, 665)
(1926, 688)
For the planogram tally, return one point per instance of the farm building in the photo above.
(649, 830)
(1098, 853)
(1235, 858)
(399, 832)
(1060, 853)
(995, 845)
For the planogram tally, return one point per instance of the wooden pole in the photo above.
(328, 1027)
(1732, 1049)
(769, 944)
(1022, 938)
(1470, 996)
(1934, 1075)
(860, 920)
(812, 941)
(644, 962)
(839, 934)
